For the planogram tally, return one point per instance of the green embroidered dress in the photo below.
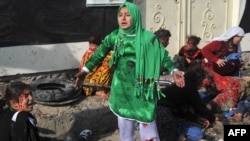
(136, 60)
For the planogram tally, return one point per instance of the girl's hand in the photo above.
(178, 77)
(79, 79)
(79, 74)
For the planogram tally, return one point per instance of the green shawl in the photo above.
(149, 54)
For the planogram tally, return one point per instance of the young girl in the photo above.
(189, 54)
(136, 60)
(17, 123)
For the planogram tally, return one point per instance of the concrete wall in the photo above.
(40, 58)
(204, 18)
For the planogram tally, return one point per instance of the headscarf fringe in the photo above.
(160, 94)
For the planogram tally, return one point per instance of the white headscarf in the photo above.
(231, 32)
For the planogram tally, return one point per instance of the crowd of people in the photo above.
(124, 68)
(213, 68)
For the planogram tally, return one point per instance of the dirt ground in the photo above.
(62, 123)
(65, 122)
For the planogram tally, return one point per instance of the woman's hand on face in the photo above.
(178, 77)
(221, 62)
(204, 122)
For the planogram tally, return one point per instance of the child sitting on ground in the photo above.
(101, 74)
(189, 54)
(17, 123)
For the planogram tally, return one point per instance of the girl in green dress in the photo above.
(136, 60)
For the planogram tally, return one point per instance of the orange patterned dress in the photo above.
(101, 74)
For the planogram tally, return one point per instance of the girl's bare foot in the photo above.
(103, 95)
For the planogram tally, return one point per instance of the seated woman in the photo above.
(189, 54)
(182, 109)
(98, 81)
(224, 91)
(222, 54)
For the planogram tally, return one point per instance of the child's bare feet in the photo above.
(103, 95)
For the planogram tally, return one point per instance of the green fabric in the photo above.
(146, 56)
(132, 59)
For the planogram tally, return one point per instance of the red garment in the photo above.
(228, 89)
(192, 54)
(214, 51)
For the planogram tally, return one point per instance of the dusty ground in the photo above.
(64, 123)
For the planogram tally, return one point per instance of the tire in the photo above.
(54, 90)
(77, 97)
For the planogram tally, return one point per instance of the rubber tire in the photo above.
(77, 97)
(61, 90)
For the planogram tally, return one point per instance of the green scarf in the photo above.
(149, 55)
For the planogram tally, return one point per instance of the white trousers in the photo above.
(148, 132)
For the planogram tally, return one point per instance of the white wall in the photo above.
(40, 58)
